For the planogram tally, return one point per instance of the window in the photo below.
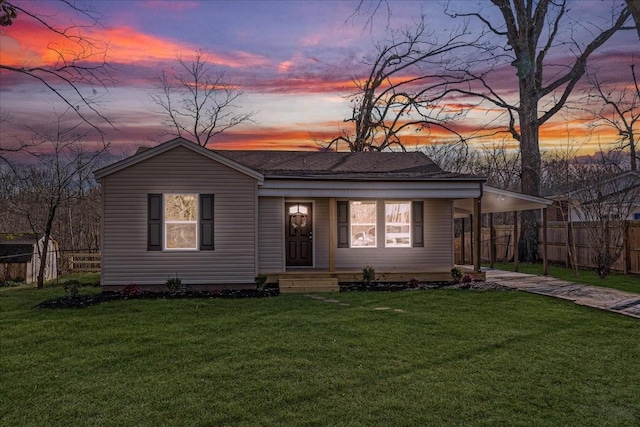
(397, 224)
(357, 224)
(363, 224)
(180, 222)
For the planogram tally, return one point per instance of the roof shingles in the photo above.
(313, 164)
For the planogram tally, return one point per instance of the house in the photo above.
(606, 197)
(219, 218)
(20, 255)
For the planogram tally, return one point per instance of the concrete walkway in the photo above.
(626, 303)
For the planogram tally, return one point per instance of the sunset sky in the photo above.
(294, 60)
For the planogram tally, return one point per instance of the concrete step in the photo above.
(303, 285)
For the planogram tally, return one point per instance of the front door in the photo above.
(299, 234)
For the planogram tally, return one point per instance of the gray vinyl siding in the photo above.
(125, 258)
(321, 233)
(271, 235)
(271, 241)
(436, 254)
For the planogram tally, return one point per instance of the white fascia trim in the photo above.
(518, 196)
(371, 189)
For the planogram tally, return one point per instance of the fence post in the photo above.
(71, 262)
(626, 252)
(515, 241)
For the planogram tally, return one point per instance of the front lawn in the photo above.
(437, 357)
(628, 283)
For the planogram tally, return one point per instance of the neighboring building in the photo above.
(617, 197)
(20, 257)
(219, 218)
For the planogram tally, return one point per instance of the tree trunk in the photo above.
(45, 250)
(632, 149)
(531, 165)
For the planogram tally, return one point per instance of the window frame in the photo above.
(168, 222)
(343, 223)
(157, 222)
(373, 225)
(409, 233)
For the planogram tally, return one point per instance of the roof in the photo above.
(17, 247)
(318, 165)
(144, 154)
(342, 165)
(603, 187)
(495, 200)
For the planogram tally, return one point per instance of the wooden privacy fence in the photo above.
(84, 262)
(562, 238)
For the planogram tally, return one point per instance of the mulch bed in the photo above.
(81, 301)
(393, 287)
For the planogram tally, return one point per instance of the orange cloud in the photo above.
(29, 43)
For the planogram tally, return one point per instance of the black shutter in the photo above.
(417, 224)
(206, 222)
(154, 219)
(343, 224)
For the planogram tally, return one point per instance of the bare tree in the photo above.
(530, 31)
(634, 8)
(412, 73)
(59, 164)
(459, 158)
(80, 61)
(620, 110)
(603, 200)
(197, 101)
(500, 164)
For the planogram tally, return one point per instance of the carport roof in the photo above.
(495, 200)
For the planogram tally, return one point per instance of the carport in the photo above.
(494, 200)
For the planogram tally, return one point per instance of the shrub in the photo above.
(368, 274)
(174, 284)
(9, 283)
(261, 280)
(468, 278)
(456, 274)
(72, 287)
(131, 289)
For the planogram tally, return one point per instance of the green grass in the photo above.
(447, 358)
(628, 283)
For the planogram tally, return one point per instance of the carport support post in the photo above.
(463, 240)
(545, 258)
(477, 232)
(333, 233)
(515, 241)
